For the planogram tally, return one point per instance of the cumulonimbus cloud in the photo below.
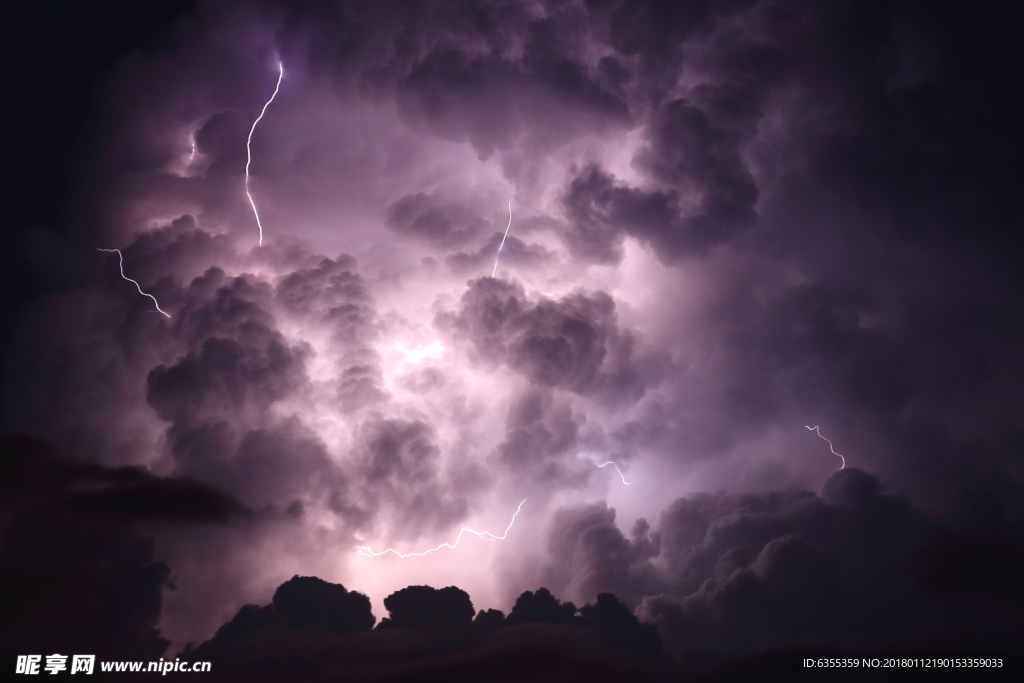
(705, 259)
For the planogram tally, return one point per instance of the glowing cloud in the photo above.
(482, 535)
(120, 259)
(495, 269)
(248, 147)
(815, 429)
(419, 353)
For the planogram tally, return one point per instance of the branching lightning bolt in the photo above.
(248, 147)
(627, 483)
(120, 260)
(482, 535)
(495, 269)
(815, 429)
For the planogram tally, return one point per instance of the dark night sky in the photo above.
(730, 220)
(58, 60)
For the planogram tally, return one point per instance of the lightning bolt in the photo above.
(815, 429)
(627, 483)
(248, 148)
(482, 535)
(495, 269)
(120, 260)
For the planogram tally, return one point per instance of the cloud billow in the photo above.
(731, 222)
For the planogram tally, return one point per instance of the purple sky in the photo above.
(731, 220)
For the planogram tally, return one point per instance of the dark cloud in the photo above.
(423, 381)
(144, 497)
(360, 384)
(335, 293)
(178, 249)
(515, 256)
(654, 29)
(401, 465)
(214, 398)
(541, 440)
(224, 375)
(686, 151)
(589, 555)
(433, 221)
(602, 213)
(76, 572)
(573, 343)
(854, 566)
(221, 139)
(286, 459)
(72, 586)
(700, 191)
(400, 451)
(330, 285)
(491, 100)
(217, 306)
(33, 472)
(485, 73)
(237, 365)
(278, 463)
(935, 98)
(808, 209)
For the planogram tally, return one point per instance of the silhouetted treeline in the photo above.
(313, 629)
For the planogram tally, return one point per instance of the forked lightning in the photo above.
(482, 535)
(248, 148)
(612, 463)
(815, 429)
(120, 260)
(495, 269)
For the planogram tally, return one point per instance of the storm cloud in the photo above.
(731, 222)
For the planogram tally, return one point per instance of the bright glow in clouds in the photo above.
(627, 483)
(418, 354)
(495, 269)
(120, 260)
(380, 386)
(815, 429)
(248, 148)
(482, 535)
